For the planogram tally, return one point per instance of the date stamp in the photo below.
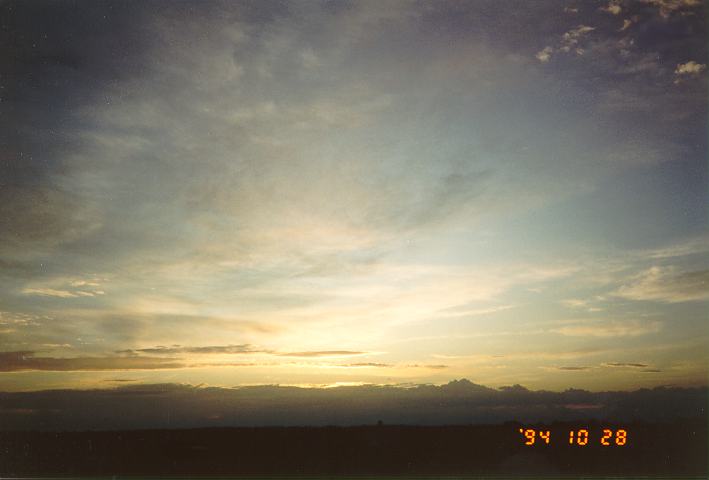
(606, 437)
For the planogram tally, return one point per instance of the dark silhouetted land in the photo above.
(652, 449)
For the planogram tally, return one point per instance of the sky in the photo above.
(320, 193)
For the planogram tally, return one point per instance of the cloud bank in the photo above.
(458, 402)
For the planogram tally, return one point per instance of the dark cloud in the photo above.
(26, 360)
(230, 364)
(211, 349)
(170, 357)
(323, 353)
(458, 402)
(630, 365)
(433, 367)
(143, 359)
(573, 368)
(367, 364)
(516, 388)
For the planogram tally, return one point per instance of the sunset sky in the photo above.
(339, 193)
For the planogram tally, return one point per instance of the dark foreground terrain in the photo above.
(651, 449)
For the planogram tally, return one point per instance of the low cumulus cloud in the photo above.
(613, 7)
(571, 39)
(570, 42)
(668, 7)
(688, 70)
(544, 55)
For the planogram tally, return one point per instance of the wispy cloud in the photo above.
(690, 246)
(617, 328)
(667, 284)
(468, 310)
(51, 292)
(62, 287)
(577, 303)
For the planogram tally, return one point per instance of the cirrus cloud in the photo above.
(667, 284)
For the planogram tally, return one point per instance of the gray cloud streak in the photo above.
(211, 349)
(26, 360)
